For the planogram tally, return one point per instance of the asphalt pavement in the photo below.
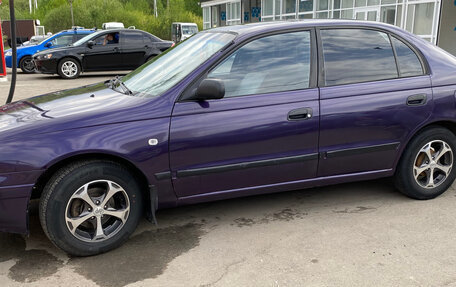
(356, 234)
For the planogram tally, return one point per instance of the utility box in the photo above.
(2, 56)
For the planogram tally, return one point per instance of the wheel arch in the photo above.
(70, 57)
(22, 57)
(56, 165)
(448, 124)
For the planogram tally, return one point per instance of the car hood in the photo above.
(69, 109)
(21, 48)
(56, 50)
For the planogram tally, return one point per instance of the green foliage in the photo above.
(55, 14)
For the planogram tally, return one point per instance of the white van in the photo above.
(182, 31)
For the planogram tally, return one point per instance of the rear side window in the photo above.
(271, 64)
(357, 55)
(408, 62)
(133, 38)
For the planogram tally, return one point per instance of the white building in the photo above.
(433, 20)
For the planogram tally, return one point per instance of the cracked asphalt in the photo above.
(356, 234)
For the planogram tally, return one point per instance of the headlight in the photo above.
(8, 54)
(47, 56)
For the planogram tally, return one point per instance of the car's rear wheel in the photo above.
(90, 207)
(69, 68)
(426, 168)
(27, 65)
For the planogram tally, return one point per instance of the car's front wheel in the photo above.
(426, 167)
(90, 207)
(69, 68)
(27, 65)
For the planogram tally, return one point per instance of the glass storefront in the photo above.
(417, 16)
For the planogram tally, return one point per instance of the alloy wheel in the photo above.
(69, 69)
(28, 65)
(433, 164)
(97, 211)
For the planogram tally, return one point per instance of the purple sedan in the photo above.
(232, 111)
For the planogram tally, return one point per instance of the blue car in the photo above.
(24, 54)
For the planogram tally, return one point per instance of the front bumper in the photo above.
(8, 61)
(46, 66)
(15, 192)
(14, 201)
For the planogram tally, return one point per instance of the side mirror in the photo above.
(209, 89)
(48, 44)
(90, 44)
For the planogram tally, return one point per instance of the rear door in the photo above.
(263, 133)
(369, 104)
(104, 55)
(134, 49)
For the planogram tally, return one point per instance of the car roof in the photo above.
(262, 27)
(78, 31)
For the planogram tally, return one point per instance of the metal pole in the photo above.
(14, 51)
(71, 9)
(155, 9)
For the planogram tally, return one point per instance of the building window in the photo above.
(420, 19)
(233, 13)
(206, 17)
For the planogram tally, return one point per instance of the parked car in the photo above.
(233, 111)
(107, 50)
(34, 40)
(25, 54)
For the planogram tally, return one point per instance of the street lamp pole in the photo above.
(155, 9)
(71, 9)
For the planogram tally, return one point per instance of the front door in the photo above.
(104, 54)
(264, 132)
(375, 92)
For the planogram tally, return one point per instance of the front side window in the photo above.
(357, 55)
(271, 64)
(169, 68)
(107, 39)
(408, 62)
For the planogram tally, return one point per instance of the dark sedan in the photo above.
(106, 50)
(233, 111)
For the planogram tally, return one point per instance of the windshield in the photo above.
(48, 38)
(157, 76)
(189, 30)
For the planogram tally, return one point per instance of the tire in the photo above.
(69, 68)
(64, 202)
(430, 152)
(27, 66)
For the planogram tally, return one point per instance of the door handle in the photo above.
(116, 49)
(416, 100)
(300, 114)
